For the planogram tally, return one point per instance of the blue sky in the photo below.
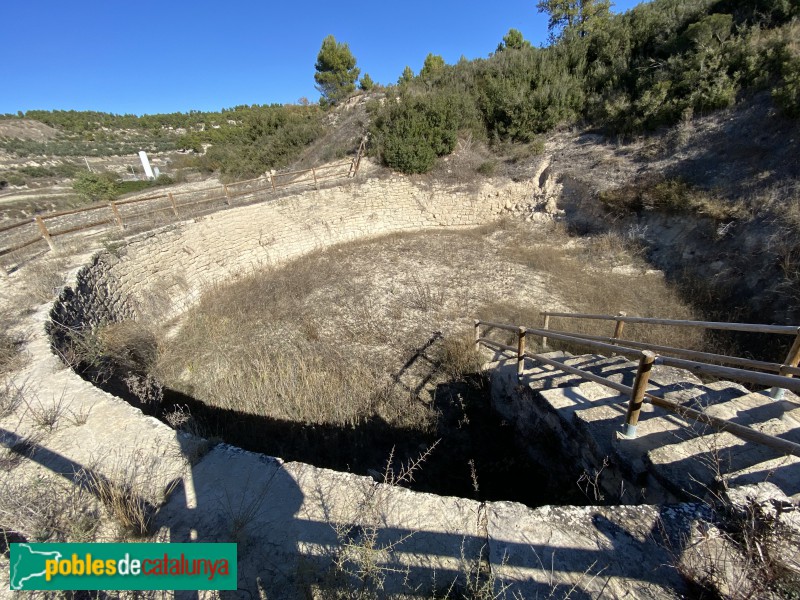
(165, 56)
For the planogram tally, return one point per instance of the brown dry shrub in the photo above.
(460, 357)
(130, 344)
(672, 196)
(580, 271)
(10, 347)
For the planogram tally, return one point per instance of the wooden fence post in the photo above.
(520, 351)
(314, 173)
(172, 201)
(272, 180)
(792, 360)
(44, 232)
(227, 194)
(618, 328)
(545, 326)
(477, 333)
(117, 216)
(639, 388)
(357, 160)
(357, 165)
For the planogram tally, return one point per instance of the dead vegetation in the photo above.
(361, 336)
(672, 196)
(46, 508)
(292, 342)
(601, 274)
(11, 346)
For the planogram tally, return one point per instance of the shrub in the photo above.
(96, 186)
(127, 187)
(666, 195)
(414, 131)
(787, 93)
(487, 168)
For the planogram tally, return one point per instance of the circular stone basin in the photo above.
(155, 281)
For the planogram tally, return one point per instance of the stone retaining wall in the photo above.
(159, 275)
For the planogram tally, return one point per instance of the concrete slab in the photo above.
(586, 552)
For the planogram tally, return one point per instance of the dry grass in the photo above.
(10, 398)
(131, 512)
(602, 274)
(654, 192)
(130, 344)
(741, 552)
(459, 357)
(47, 508)
(45, 414)
(43, 280)
(128, 491)
(324, 339)
(10, 347)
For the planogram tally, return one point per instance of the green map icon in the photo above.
(28, 564)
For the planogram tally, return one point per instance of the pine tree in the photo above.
(573, 14)
(336, 71)
(513, 40)
(406, 77)
(366, 82)
(433, 64)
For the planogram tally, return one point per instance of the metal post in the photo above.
(477, 333)
(44, 232)
(520, 351)
(639, 388)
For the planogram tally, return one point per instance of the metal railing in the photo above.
(647, 357)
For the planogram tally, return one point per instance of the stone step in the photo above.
(784, 472)
(541, 376)
(753, 408)
(622, 370)
(700, 395)
(698, 465)
(592, 417)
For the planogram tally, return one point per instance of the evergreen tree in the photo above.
(336, 71)
(576, 15)
(366, 82)
(513, 40)
(406, 77)
(433, 65)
